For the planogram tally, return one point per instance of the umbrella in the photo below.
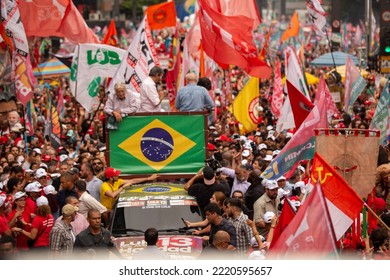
(51, 68)
(341, 70)
(340, 58)
(311, 79)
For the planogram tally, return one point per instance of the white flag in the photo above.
(317, 15)
(96, 62)
(140, 57)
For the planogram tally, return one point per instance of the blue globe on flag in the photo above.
(157, 144)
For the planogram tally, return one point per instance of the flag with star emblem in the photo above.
(158, 144)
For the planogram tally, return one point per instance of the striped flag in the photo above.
(381, 118)
(354, 84)
(300, 147)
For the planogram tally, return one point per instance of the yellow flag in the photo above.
(245, 105)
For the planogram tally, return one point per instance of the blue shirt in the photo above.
(193, 98)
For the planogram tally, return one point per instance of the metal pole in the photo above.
(368, 25)
(115, 10)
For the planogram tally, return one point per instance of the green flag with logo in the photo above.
(158, 144)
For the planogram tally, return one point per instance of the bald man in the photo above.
(193, 97)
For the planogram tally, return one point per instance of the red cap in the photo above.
(111, 172)
(3, 139)
(45, 158)
(211, 147)
(223, 137)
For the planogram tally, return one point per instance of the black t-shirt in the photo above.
(203, 193)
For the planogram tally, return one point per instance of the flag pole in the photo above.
(376, 216)
(330, 47)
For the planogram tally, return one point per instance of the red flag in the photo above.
(64, 20)
(111, 37)
(161, 15)
(310, 233)
(300, 105)
(277, 96)
(228, 40)
(284, 220)
(343, 202)
(241, 8)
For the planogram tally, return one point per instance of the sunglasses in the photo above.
(96, 163)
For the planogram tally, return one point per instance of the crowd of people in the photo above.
(57, 201)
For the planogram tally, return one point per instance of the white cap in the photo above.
(271, 185)
(33, 187)
(245, 153)
(280, 178)
(270, 127)
(242, 137)
(63, 157)
(40, 173)
(262, 146)
(38, 151)
(300, 184)
(268, 158)
(289, 135)
(42, 200)
(244, 162)
(49, 190)
(301, 168)
(268, 217)
(275, 153)
(19, 195)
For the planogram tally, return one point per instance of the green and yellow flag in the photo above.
(158, 144)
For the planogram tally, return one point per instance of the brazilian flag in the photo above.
(158, 144)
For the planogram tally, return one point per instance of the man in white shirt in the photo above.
(121, 103)
(151, 97)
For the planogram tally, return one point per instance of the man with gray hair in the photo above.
(121, 103)
(151, 96)
(193, 97)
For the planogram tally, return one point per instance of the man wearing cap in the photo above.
(61, 235)
(79, 222)
(268, 202)
(204, 189)
(4, 227)
(113, 186)
(41, 176)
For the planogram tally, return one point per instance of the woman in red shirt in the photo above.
(20, 219)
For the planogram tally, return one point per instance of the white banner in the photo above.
(141, 56)
(95, 63)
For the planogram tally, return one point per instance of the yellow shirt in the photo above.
(107, 201)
